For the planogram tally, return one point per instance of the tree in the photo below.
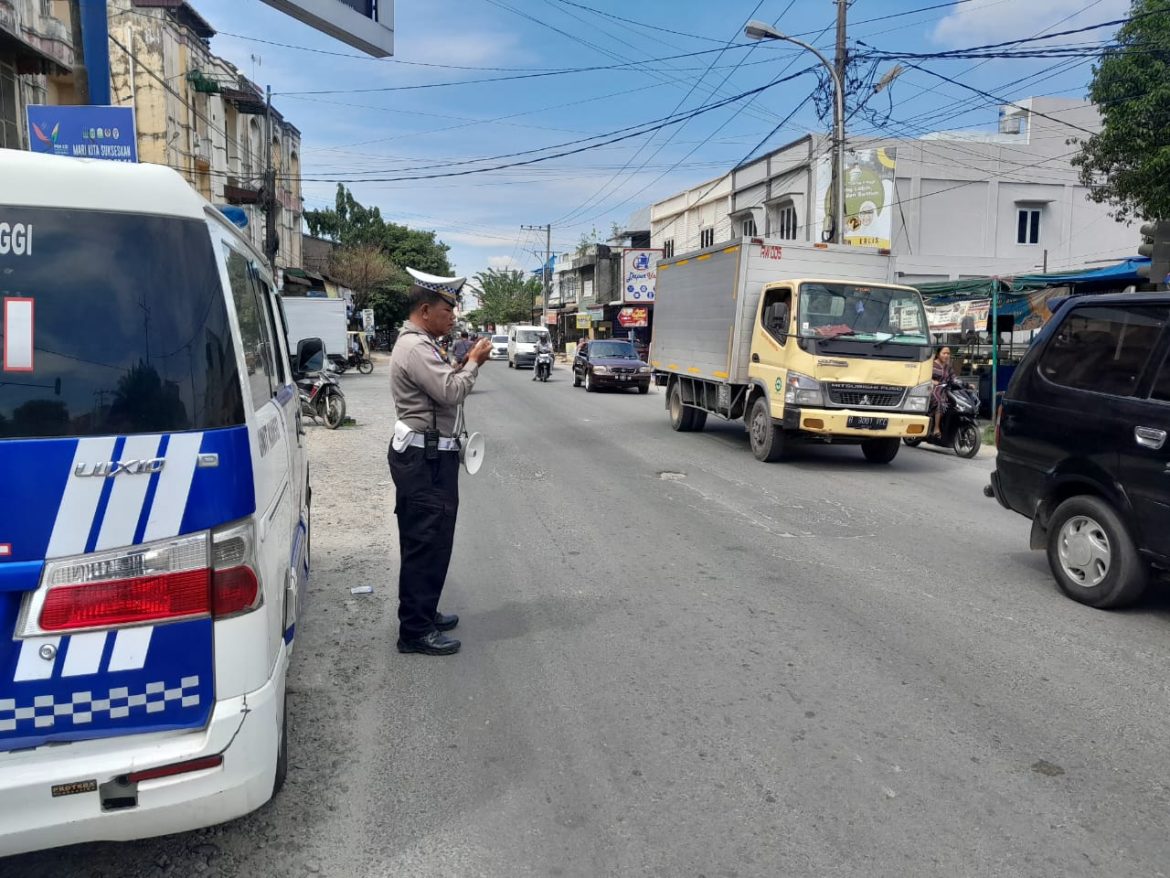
(1127, 164)
(363, 268)
(587, 240)
(507, 295)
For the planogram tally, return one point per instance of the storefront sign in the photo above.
(596, 314)
(639, 274)
(634, 318)
(552, 318)
(83, 132)
(583, 321)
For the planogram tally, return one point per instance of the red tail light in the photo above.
(127, 601)
(998, 424)
(234, 591)
(205, 574)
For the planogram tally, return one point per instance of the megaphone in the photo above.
(471, 453)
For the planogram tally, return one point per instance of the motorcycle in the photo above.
(321, 399)
(544, 361)
(958, 427)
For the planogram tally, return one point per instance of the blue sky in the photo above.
(364, 119)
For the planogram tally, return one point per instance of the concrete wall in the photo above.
(681, 218)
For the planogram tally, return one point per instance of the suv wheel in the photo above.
(1092, 555)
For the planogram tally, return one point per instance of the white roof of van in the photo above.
(40, 180)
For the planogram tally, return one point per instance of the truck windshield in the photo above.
(113, 323)
(862, 313)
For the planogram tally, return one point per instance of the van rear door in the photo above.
(123, 446)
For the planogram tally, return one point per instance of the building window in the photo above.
(783, 222)
(1028, 226)
(668, 248)
(706, 238)
(9, 122)
(748, 229)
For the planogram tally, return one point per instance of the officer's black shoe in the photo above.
(433, 643)
(446, 622)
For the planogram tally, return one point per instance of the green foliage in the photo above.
(1127, 163)
(352, 224)
(508, 295)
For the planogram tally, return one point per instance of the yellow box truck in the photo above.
(804, 342)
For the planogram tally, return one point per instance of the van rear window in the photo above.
(112, 323)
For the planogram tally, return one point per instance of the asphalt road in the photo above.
(678, 661)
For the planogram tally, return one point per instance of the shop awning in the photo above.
(1119, 274)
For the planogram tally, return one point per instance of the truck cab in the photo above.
(838, 361)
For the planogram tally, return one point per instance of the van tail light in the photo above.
(168, 579)
(212, 573)
(998, 423)
(235, 586)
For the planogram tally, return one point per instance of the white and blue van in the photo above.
(154, 508)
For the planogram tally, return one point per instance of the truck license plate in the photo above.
(860, 423)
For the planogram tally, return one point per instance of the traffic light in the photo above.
(1156, 245)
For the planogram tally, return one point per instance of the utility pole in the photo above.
(547, 272)
(269, 201)
(840, 64)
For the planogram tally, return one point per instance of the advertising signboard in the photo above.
(368, 319)
(639, 274)
(950, 317)
(634, 318)
(870, 201)
(583, 321)
(83, 132)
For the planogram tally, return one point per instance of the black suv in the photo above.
(1083, 451)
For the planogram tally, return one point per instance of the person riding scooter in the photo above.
(543, 348)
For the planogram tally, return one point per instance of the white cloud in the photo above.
(991, 21)
(504, 263)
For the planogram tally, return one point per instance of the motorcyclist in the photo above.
(543, 346)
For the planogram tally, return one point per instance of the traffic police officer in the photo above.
(424, 458)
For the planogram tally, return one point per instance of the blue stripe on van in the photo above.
(223, 493)
(34, 473)
(104, 502)
(151, 489)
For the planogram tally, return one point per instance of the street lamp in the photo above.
(759, 30)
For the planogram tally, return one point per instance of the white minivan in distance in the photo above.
(522, 341)
(154, 532)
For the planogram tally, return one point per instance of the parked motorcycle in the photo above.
(322, 399)
(958, 426)
(544, 361)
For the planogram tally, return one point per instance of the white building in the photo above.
(957, 204)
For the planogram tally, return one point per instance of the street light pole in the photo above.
(759, 30)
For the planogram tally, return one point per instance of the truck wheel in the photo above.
(880, 450)
(682, 417)
(767, 439)
(1092, 555)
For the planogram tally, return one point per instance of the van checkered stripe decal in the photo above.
(46, 712)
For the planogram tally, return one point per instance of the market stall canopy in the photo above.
(1118, 274)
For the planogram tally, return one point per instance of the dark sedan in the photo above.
(610, 363)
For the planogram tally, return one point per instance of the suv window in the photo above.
(1103, 348)
(125, 337)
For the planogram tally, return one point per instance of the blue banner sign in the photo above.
(83, 132)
